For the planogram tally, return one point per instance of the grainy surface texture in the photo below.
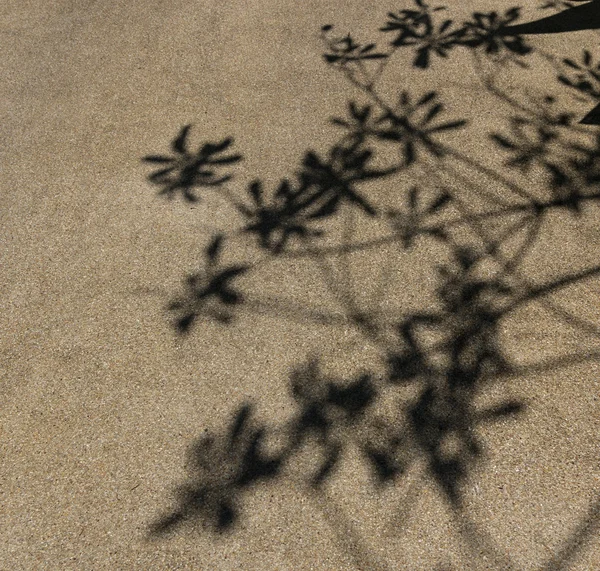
(100, 397)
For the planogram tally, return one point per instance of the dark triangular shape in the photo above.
(585, 17)
(593, 117)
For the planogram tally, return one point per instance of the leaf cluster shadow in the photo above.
(445, 357)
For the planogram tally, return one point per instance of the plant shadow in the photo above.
(446, 356)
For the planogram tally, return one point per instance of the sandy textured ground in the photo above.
(100, 399)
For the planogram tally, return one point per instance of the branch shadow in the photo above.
(448, 355)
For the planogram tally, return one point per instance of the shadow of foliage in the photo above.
(186, 170)
(447, 355)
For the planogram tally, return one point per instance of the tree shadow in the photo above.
(576, 541)
(492, 33)
(448, 355)
(575, 18)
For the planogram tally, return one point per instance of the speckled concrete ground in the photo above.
(100, 398)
